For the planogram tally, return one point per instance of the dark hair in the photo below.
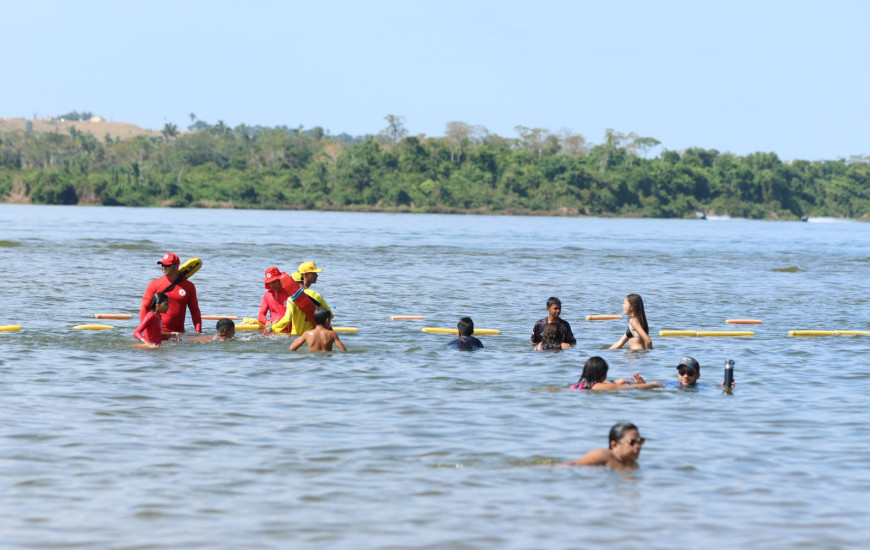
(321, 314)
(158, 298)
(594, 371)
(465, 326)
(617, 432)
(552, 301)
(636, 303)
(224, 324)
(552, 336)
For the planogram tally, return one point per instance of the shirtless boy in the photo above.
(321, 337)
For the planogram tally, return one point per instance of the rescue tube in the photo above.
(10, 328)
(93, 327)
(438, 330)
(404, 317)
(112, 316)
(829, 333)
(219, 317)
(706, 333)
(603, 317)
(345, 329)
(248, 326)
(298, 296)
(742, 321)
(188, 268)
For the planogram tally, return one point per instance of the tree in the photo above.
(612, 142)
(457, 134)
(637, 144)
(170, 131)
(395, 130)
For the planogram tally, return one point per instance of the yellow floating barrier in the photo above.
(345, 329)
(249, 326)
(219, 317)
(10, 328)
(477, 331)
(603, 317)
(829, 333)
(112, 316)
(706, 333)
(742, 321)
(404, 317)
(93, 327)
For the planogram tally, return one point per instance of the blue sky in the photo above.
(789, 77)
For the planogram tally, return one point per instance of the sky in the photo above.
(788, 77)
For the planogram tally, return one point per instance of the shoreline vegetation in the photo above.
(62, 160)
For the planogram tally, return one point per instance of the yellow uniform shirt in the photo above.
(295, 315)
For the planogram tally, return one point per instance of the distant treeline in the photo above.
(467, 170)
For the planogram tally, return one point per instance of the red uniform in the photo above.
(275, 304)
(182, 297)
(151, 329)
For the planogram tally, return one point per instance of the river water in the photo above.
(401, 443)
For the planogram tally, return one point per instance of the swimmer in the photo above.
(465, 340)
(150, 331)
(226, 329)
(552, 338)
(637, 333)
(321, 337)
(594, 377)
(688, 372)
(625, 443)
(554, 315)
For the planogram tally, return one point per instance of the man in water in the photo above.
(182, 296)
(554, 312)
(294, 317)
(625, 443)
(465, 341)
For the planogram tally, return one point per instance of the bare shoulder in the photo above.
(597, 457)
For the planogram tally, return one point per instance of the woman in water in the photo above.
(552, 338)
(150, 332)
(625, 443)
(637, 333)
(594, 377)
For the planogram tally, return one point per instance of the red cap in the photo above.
(272, 274)
(169, 259)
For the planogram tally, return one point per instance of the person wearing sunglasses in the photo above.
(625, 443)
(688, 372)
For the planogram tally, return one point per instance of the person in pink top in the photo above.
(150, 331)
(182, 295)
(274, 303)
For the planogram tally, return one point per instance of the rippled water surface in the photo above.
(400, 443)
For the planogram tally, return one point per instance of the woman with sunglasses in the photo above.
(624, 442)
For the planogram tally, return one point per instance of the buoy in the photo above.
(93, 327)
(829, 333)
(405, 317)
(112, 316)
(10, 328)
(435, 330)
(603, 317)
(706, 333)
(345, 329)
(742, 321)
(219, 317)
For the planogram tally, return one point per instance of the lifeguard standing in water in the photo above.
(274, 303)
(182, 295)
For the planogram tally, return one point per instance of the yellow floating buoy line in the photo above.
(112, 316)
(742, 321)
(93, 327)
(706, 333)
(405, 317)
(10, 328)
(603, 317)
(829, 333)
(444, 330)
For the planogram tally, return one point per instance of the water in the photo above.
(400, 443)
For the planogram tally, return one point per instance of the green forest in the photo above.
(468, 170)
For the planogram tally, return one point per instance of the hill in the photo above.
(98, 128)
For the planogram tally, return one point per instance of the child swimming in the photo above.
(594, 377)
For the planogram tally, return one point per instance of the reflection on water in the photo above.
(401, 443)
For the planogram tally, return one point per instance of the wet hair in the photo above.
(617, 432)
(224, 324)
(635, 302)
(321, 314)
(465, 326)
(552, 336)
(552, 301)
(594, 371)
(158, 298)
